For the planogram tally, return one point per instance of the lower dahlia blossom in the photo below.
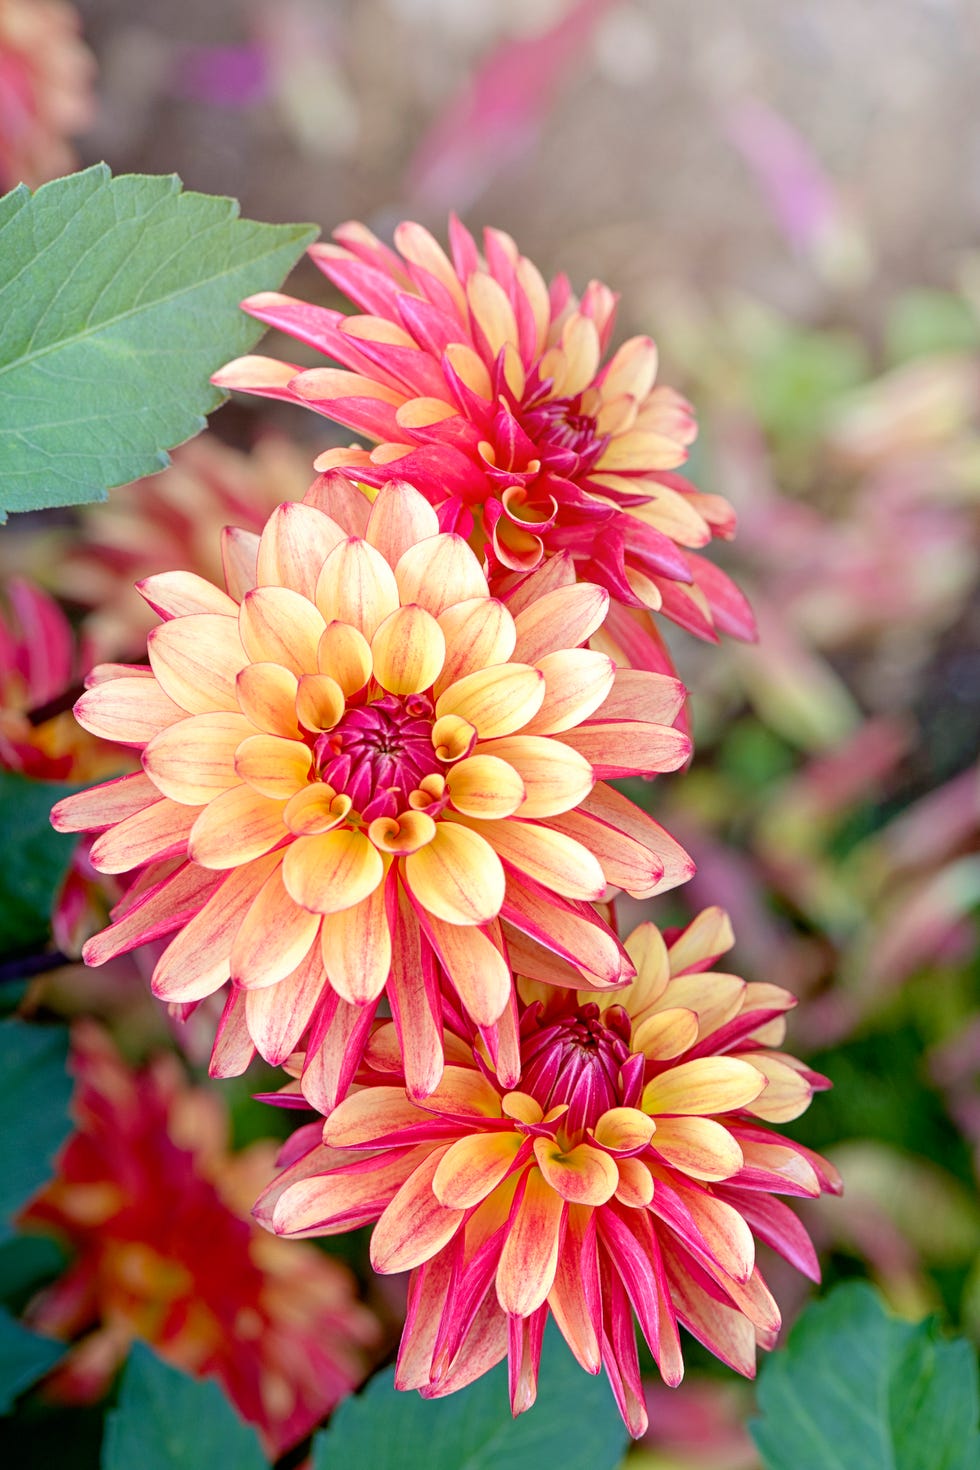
(486, 388)
(362, 774)
(155, 1211)
(45, 90)
(628, 1173)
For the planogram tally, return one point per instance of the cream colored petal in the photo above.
(178, 594)
(563, 865)
(239, 554)
(345, 654)
(193, 760)
(357, 586)
(556, 778)
(457, 877)
(478, 632)
(197, 962)
(196, 661)
(496, 701)
(159, 830)
(439, 572)
(332, 871)
(400, 517)
(281, 626)
(562, 618)
(235, 827)
(577, 682)
(274, 937)
(295, 543)
(408, 650)
(267, 697)
(485, 786)
(130, 711)
(356, 949)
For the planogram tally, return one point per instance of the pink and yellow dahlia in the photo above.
(45, 90)
(485, 387)
(628, 1173)
(155, 1211)
(362, 774)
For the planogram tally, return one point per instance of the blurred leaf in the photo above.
(27, 1262)
(33, 1110)
(118, 300)
(24, 1358)
(798, 378)
(168, 1421)
(574, 1424)
(35, 859)
(856, 1389)
(925, 321)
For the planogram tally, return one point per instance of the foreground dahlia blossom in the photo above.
(486, 388)
(155, 1211)
(627, 1174)
(363, 774)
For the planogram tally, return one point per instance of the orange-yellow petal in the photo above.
(356, 586)
(400, 517)
(414, 1226)
(583, 1176)
(236, 826)
(332, 870)
(479, 632)
(345, 654)
(196, 661)
(320, 702)
(273, 765)
(404, 834)
(485, 786)
(273, 938)
(497, 701)
(577, 681)
(706, 1085)
(476, 968)
(457, 877)
(623, 1129)
(408, 650)
(315, 808)
(296, 541)
(472, 1167)
(530, 1253)
(267, 697)
(356, 948)
(194, 760)
(562, 618)
(698, 1146)
(563, 865)
(555, 777)
(281, 626)
(666, 1033)
(198, 961)
(438, 572)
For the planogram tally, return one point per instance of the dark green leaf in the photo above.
(855, 1389)
(35, 859)
(574, 1424)
(118, 300)
(27, 1262)
(168, 1421)
(33, 1110)
(24, 1358)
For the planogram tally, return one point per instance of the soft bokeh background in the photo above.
(788, 198)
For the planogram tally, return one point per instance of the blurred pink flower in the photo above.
(46, 75)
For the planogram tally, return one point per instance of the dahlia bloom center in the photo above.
(378, 754)
(562, 424)
(578, 1061)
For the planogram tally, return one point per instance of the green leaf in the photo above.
(118, 300)
(168, 1421)
(34, 1117)
(855, 1389)
(35, 859)
(24, 1358)
(574, 1424)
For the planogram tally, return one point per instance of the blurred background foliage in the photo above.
(775, 192)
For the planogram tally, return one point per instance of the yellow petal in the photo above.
(583, 1176)
(478, 632)
(485, 786)
(646, 948)
(472, 1167)
(556, 778)
(563, 865)
(345, 654)
(194, 759)
(281, 626)
(408, 650)
(709, 935)
(356, 948)
(787, 1093)
(403, 834)
(699, 1147)
(666, 1033)
(196, 661)
(530, 1253)
(706, 1085)
(438, 572)
(492, 311)
(624, 1129)
(236, 826)
(296, 541)
(632, 369)
(457, 877)
(273, 765)
(497, 701)
(332, 870)
(357, 586)
(414, 1226)
(267, 697)
(471, 368)
(315, 808)
(320, 702)
(641, 451)
(635, 1186)
(453, 737)
(273, 938)
(577, 681)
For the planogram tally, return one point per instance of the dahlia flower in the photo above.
(485, 387)
(45, 90)
(155, 1211)
(628, 1173)
(363, 774)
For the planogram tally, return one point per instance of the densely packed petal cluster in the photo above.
(45, 90)
(628, 1174)
(486, 388)
(362, 774)
(155, 1211)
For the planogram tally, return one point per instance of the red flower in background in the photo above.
(155, 1209)
(45, 90)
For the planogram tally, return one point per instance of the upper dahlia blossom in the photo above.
(628, 1173)
(485, 387)
(155, 1210)
(45, 90)
(361, 773)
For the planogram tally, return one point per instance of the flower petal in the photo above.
(415, 1225)
(485, 786)
(559, 862)
(277, 1015)
(296, 541)
(497, 701)
(281, 626)
(178, 594)
(472, 1167)
(103, 806)
(457, 877)
(577, 681)
(356, 949)
(345, 654)
(273, 765)
(529, 1257)
(193, 760)
(555, 777)
(439, 571)
(357, 586)
(475, 966)
(697, 1146)
(156, 832)
(129, 711)
(706, 1085)
(408, 650)
(332, 870)
(562, 618)
(196, 661)
(274, 937)
(618, 748)
(400, 517)
(479, 632)
(267, 697)
(583, 1176)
